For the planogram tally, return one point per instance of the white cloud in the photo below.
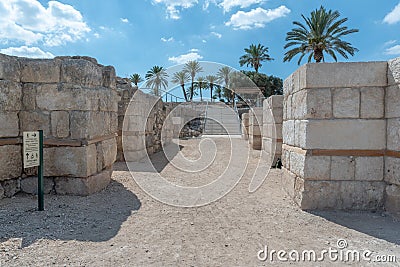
(182, 59)
(194, 50)
(390, 42)
(29, 22)
(394, 50)
(227, 5)
(216, 34)
(393, 16)
(256, 18)
(124, 20)
(25, 51)
(166, 40)
(174, 6)
(204, 41)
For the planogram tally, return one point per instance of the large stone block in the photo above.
(30, 185)
(1, 192)
(342, 168)
(9, 124)
(299, 104)
(40, 70)
(109, 77)
(60, 124)
(288, 181)
(82, 72)
(11, 187)
(317, 168)
(108, 99)
(372, 102)
(369, 168)
(320, 195)
(346, 103)
(319, 104)
(345, 134)
(275, 101)
(9, 68)
(393, 134)
(394, 71)
(33, 121)
(342, 75)
(392, 170)
(288, 132)
(70, 161)
(10, 96)
(297, 163)
(10, 162)
(392, 99)
(90, 124)
(134, 156)
(29, 96)
(82, 186)
(109, 151)
(300, 133)
(392, 199)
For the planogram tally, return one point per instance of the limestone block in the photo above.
(361, 195)
(1, 192)
(109, 77)
(109, 152)
(134, 123)
(298, 190)
(288, 180)
(346, 103)
(393, 134)
(82, 186)
(134, 156)
(33, 121)
(392, 170)
(70, 161)
(60, 124)
(29, 96)
(133, 143)
(108, 100)
(89, 124)
(256, 131)
(342, 75)
(394, 71)
(9, 124)
(288, 85)
(300, 133)
(392, 199)
(319, 104)
(320, 195)
(299, 104)
(369, 168)
(10, 162)
(345, 134)
(11, 187)
(66, 97)
(9, 68)
(256, 142)
(342, 168)
(29, 185)
(275, 101)
(297, 163)
(114, 122)
(10, 96)
(40, 70)
(285, 115)
(82, 72)
(286, 158)
(289, 111)
(278, 131)
(392, 99)
(372, 102)
(288, 133)
(317, 168)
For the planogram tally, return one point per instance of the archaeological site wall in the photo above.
(255, 127)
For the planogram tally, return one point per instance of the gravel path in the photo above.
(123, 226)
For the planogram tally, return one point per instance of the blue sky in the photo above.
(135, 35)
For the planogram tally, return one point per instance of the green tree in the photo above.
(211, 79)
(224, 75)
(135, 78)
(321, 33)
(255, 54)
(181, 78)
(201, 83)
(192, 68)
(156, 78)
(269, 85)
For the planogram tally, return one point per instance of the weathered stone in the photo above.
(319, 104)
(369, 168)
(300, 133)
(89, 124)
(361, 195)
(288, 180)
(394, 71)
(392, 170)
(108, 100)
(372, 102)
(40, 71)
(29, 96)
(297, 163)
(109, 77)
(60, 124)
(9, 68)
(342, 168)
(10, 162)
(10, 96)
(70, 161)
(317, 168)
(393, 134)
(133, 156)
(392, 199)
(11, 187)
(29, 185)
(392, 102)
(288, 133)
(275, 101)
(1, 192)
(299, 105)
(82, 72)
(109, 151)
(286, 158)
(346, 103)
(9, 124)
(33, 121)
(82, 186)
(344, 134)
(320, 195)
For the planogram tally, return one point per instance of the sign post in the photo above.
(33, 156)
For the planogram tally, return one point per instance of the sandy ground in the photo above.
(123, 226)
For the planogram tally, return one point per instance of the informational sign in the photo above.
(31, 149)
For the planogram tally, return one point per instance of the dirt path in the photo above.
(123, 226)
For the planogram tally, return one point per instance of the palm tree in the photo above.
(135, 79)
(254, 56)
(321, 33)
(156, 78)
(201, 84)
(224, 75)
(181, 77)
(192, 67)
(211, 79)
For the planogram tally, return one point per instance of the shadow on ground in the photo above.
(96, 218)
(377, 224)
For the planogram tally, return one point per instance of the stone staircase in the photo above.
(221, 120)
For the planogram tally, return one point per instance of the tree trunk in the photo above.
(318, 55)
(211, 89)
(184, 92)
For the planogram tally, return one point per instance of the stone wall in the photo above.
(74, 101)
(340, 146)
(255, 127)
(272, 126)
(245, 126)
